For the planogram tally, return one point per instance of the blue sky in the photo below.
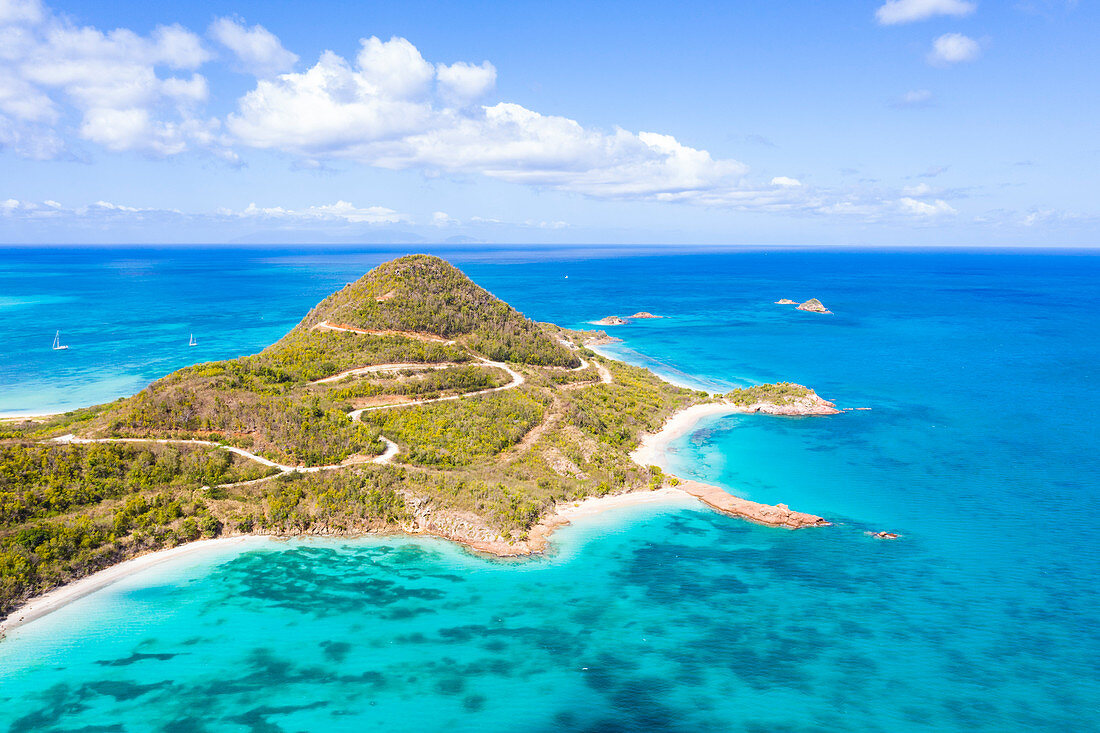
(896, 122)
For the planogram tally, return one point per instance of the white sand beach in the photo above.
(55, 599)
(653, 450)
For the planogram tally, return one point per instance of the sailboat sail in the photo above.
(192, 342)
(57, 346)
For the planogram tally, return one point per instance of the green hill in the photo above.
(424, 294)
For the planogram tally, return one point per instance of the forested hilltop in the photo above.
(410, 400)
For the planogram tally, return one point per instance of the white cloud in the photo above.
(393, 69)
(442, 219)
(914, 207)
(388, 107)
(380, 112)
(108, 206)
(20, 11)
(953, 48)
(1055, 217)
(908, 11)
(921, 189)
(536, 224)
(100, 216)
(914, 98)
(126, 87)
(257, 49)
(177, 47)
(463, 83)
(339, 211)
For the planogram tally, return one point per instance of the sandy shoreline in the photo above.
(21, 416)
(653, 449)
(66, 594)
(540, 534)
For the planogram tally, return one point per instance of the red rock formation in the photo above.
(779, 515)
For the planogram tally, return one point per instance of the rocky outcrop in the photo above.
(611, 321)
(779, 515)
(465, 528)
(645, 314)
(781, 398)
(786, 301)
(813, 305)
(809, 404)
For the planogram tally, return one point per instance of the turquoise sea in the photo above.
(980, 369)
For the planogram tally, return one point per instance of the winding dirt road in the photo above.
(392, 449)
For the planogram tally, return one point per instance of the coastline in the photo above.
(537, 542)
(23, 416)
(51, 601)
(653, 451)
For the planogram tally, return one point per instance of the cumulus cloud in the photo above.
(20, 11)
(381, 111)
(464, 83)
(131, 91)
(393, 69)
(894, 12)
(257, 49)
(953, 48)
(387, 107)
(442, 219)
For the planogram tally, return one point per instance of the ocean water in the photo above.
(979, 448)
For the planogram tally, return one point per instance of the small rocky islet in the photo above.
(813, 305)
(620, 321)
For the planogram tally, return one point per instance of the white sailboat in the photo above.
(57, 342)
(192, 342)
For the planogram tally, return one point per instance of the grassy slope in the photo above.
(425, 294)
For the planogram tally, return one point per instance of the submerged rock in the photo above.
(813, 305)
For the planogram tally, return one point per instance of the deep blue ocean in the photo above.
(980, 449)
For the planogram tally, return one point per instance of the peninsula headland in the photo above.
(410, 401)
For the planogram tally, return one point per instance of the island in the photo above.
(813, 305)
(645, 314)
(610, 321)
(786, 301)
(410, 400)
